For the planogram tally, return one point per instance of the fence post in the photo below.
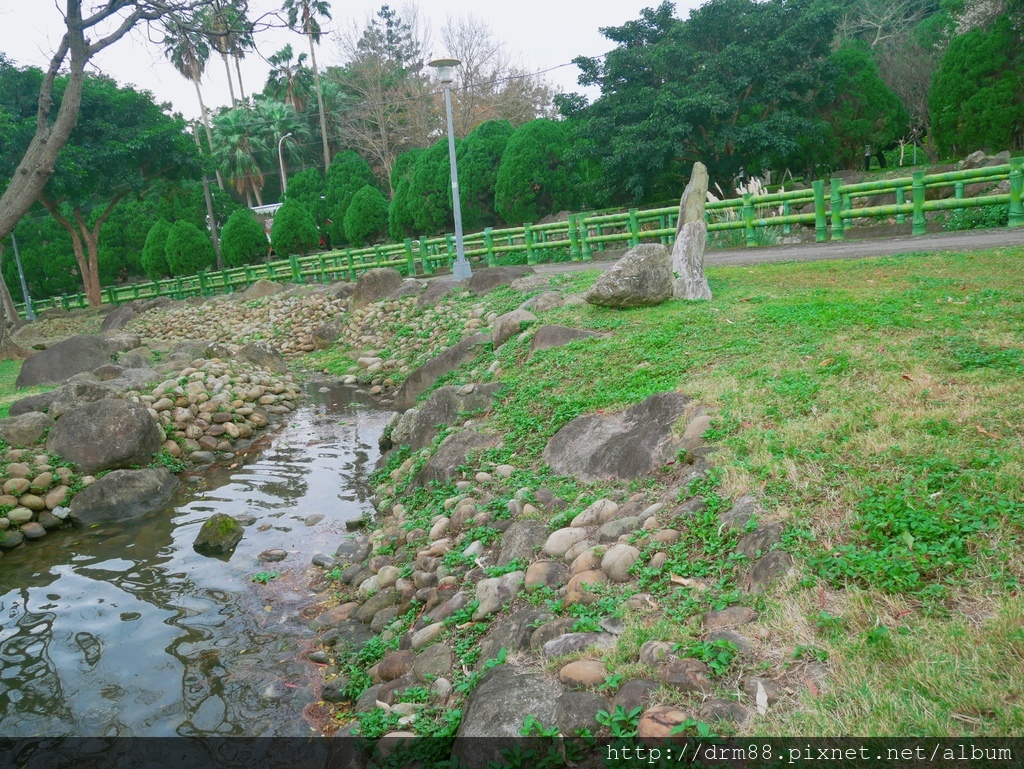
(836, 199)
(1016, 192)
(449, 243)
(575, 254)
(584, 230)
(901, 199)
(663, 225)
(409, 261)
(531, 255)
(820, 221)
(634, 228)
(787, 228)
(600, 231)
(293, 262)
(351, 266)
(378, 254)
(489, 245)
(202, 283)
(918, 193)
(958, 190)
(748, 219)
(111, 296)
(180, 289)
(425, 256)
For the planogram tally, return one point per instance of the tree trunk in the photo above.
(320, 103)
(248, 198)
(9, 309)
(259, 195)
(231, 85)
(209, 133)
(84, 243)
(238, 69)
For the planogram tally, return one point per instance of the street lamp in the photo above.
(280, 160)
(446, 74)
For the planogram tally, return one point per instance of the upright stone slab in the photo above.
(691, 237)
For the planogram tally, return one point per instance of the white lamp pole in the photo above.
(446, 74)
(280, 160)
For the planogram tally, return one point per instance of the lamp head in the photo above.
(445, 69)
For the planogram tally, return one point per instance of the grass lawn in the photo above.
(9, 370)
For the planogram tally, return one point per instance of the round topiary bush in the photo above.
(294, 230)
(242, 240)
(348, 174)
(400, 221)
(430, 189)
(479, 160)
(366, 220)
(154, 251)
(534, 179)
(189, 249)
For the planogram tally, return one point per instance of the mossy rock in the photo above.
(219, 534)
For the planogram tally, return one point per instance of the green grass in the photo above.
(9, 370)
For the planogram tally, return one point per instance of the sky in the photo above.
(543, 33)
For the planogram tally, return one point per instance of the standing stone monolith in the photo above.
(691, 236)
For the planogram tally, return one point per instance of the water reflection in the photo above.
(125, 630)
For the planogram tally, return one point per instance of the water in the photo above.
(124, 630)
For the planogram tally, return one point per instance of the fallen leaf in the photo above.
(985, 432)
(908, 377)
(696, 584)
(761, 698)
(824, 363)
(821, 596)
(811, 687)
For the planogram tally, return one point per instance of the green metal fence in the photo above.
(831, 212)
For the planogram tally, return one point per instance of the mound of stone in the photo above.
(25, 429)
(261, 289)
(123, 494)
(623, 446)
(72, 356)
(550, 336)
(435, 291)
(420, 380)
(106, 435)
(486, 279)
(374, 285)
(641, 278)
(451, 455)
(417, 427)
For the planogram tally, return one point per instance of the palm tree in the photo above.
(217, 24)
(304, 16)
(236, 150)
(288, 79)
(272, 120)
(188, 52)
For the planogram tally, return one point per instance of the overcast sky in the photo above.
(544, 33)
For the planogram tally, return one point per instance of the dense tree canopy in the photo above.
(479, 159)
(535, 178)
(366, 220)
(243, 240)
(348, 174)
(430, 197)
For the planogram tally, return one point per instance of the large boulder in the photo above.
(65, 359)
(550, 336)
(118, 318)
(641, 278)
(219, 534)
(486, 279)
(410, 287)
(106, 435)
(417, 427)
(437, 289)
(26, 429)
(123, 494)
(691, 237)
(374, 285)
(40, 402)
(420, 380)
(510, 324)
(263, 356)
(623, 446)
(451, 455)
(260, 290)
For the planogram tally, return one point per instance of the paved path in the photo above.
(811, 252)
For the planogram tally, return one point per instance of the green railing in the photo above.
(582, 234)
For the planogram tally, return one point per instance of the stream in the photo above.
(124, 630)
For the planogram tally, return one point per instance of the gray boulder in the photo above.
(550, 336)
(123, 494)
(105, 435)
(436, 290)
(261, 289)
(417, 427)
(623, 446)
(26, 429)
(40, 402)
(510, 324)
(65, 359)
(691, 238)
(373, 285)
(641, 278)
(420, 380)
(118, 318)
(522, 540)
(219, 534)
(326, 334)
(549, 300)
(409, 287)
(451, 455)
(263, 356)
(486, 279)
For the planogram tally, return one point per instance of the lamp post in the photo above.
(280, 160)
(446, 74)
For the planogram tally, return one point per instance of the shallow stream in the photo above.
(124, 630)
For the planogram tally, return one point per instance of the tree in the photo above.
(289, 79)
(535, 178)
(304, 16)
(188, 249)
(294, 230)
(243, 239)
(154, 252)
(308, 188)
(272, 121)
(123, 144)
(348, 174)
(479, 159)
(400, 221)
(734, 86)
(429, 197)
(976, 100)
(236, 149)
(865, 111)
(366, 219)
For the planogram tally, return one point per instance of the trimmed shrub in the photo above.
(430, 190)
(534, 179)
(400, 221)
(479, 160)
(348, 174)
(242, 240)
(309, 188)
(366, 220)
(189, 249)
(154, 252)
(294, 230)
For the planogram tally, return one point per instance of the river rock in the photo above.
(434, 662)
(486, 279)
(549, 336)
(659, 722)
(493, 593)
(559, 542)
(762, 539)
(600, 512)
(634, 694)
(583, 674)
(374, 285)
(641, 278)
(550, 574)
(65, 359)
(510, 324)
(420, 380)
(220, 533)
(521, 541)
(123, 494)
(549, 300)
(771, 568)
(105, 435)
(618, 561)
(25, 430)
(496, 707)
(623, 446)
(263, 356)
(452, 453)
(687, 675)
(11, 539)
(578, 710)
(574, 643)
